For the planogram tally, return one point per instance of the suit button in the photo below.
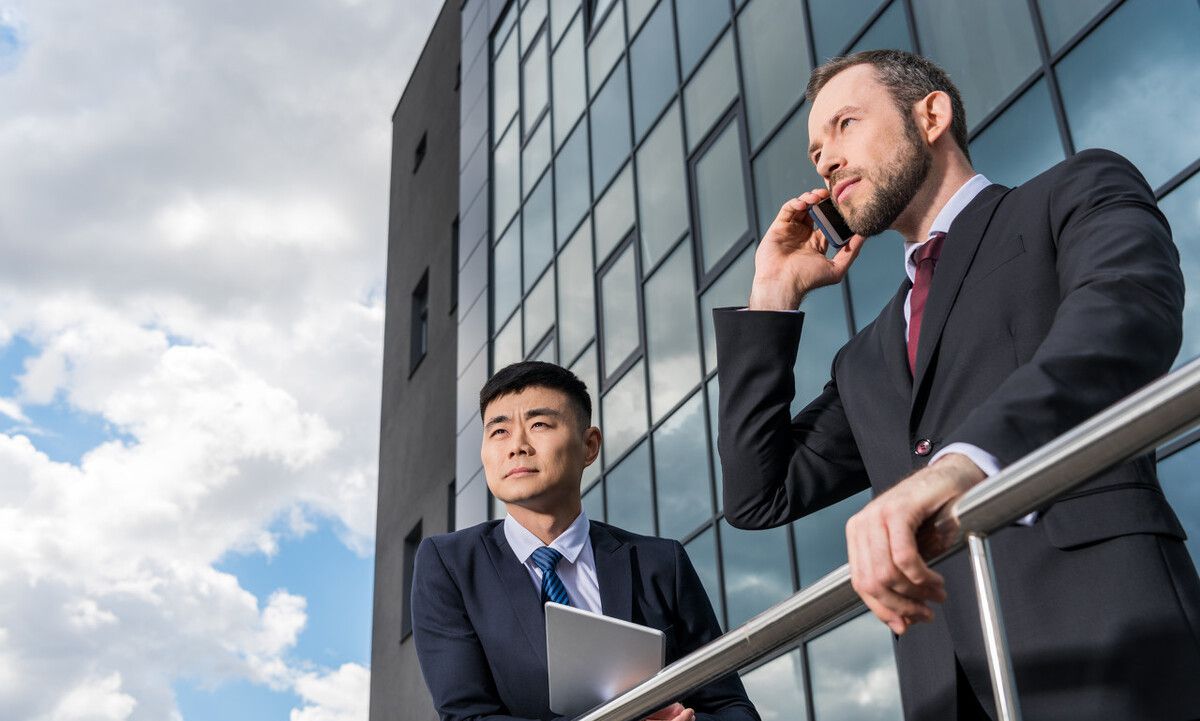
(923, 447)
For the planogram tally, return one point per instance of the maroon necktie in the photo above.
(927, 257)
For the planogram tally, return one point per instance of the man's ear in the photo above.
(592, 438)
(933, 115)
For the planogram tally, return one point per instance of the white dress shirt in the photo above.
(577, 569)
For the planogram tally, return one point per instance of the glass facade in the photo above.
(639, 148)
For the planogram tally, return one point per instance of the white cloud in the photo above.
(340, 695)
(193, 226)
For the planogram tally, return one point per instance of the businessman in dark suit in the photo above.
(478, 593)
(1025, 311)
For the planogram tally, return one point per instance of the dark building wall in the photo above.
(416, 451)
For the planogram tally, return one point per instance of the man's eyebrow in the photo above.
(495, 420)
(535, 412)
(833, 119)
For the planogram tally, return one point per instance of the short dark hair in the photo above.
(528, 374)
(907, 77)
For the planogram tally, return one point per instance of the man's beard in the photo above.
(896, 185)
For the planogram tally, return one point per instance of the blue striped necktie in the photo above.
(547, 558)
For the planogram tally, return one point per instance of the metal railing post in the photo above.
(1004, 685)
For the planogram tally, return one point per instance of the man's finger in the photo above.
(888, 584)
(923, 582)
(844, 258)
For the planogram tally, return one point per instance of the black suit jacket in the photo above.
(1050, 302)
(480, 630)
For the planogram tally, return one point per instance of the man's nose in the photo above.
(518, 444)
(829, 164)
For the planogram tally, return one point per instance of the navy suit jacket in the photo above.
(480, 631)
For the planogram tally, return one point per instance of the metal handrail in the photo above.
(1135, 425)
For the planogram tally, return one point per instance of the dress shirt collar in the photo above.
(945, 217)
(570, 542)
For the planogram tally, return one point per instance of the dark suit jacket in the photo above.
(480, 630)
(1050, 302)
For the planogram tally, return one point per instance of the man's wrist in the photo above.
(963, 470)
(774, 295)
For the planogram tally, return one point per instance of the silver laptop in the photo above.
(594, 658)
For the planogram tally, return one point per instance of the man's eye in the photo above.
(845, 122)
(497, 431)
(538, 423)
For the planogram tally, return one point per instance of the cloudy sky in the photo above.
(192, 242)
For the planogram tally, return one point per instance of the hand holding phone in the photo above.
(830, 222)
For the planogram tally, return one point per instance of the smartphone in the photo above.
(830, 222)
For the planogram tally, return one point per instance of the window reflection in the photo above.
(652, 67)
(571, 182)
(505, 90)
(700, 21)
(539, 312)
(775, 62)
(576, 294)
(987, 48)
(1021, 143)
(825, 331)
(614, 214)
(567, 78)
(835, 22)
(782, 170)
(586, 370)
(506, 348)
(628, 485)
(506, 274)
(535, 157)
(619, 310)
(758, 571)
(889, 31)
(662, 189)
(1109, 84)
(610, 128)
(876, 275)
(538, 232)
(606, 47)
(593, 502)
(821, 538)
(532, 15)
(731, 289)
(506, 179)
(671, 332)
(721, 196)
(1177, 474)
(776, 688)
(710, 91)
(1063, 18)
(703, 551)
(624, 413)
(681, 471)
(854, 674)
(1182, 208)
(534, 91)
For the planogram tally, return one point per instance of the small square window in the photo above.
(420, 322)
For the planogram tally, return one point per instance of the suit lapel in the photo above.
(614, 572)
(895, 341)
(518, 589)
(959, 250)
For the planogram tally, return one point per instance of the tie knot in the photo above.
(546, 558)
(931, 249)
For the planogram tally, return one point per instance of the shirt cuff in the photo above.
(988, 464)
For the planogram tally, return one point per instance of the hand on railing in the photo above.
(886, 567)
(674, 712)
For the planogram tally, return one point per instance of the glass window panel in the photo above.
(610, 128)
(1021, 143)
(714, 398)
(499, 510)
(535, 157)
(571, 176)
(506, 274)
(721, 196)
(629, 503)
(699, 24)
(777, 688)
(1182, 208)
(538, 233)
(549, 352)
(606, 47)
(988, 48)
(637, 10)
(562, 14)
(825, 332)
(835, 22)
(507, 23)
(1178, 477)
(662, 188)
(535, 85)
(876, 275)
(854, 673)
(593, 502)
(624, 413)
(710, 91)
(775, 63)
(782, 169)
(671, 333)
(890, 31)
(731, 289)
(506, 349)
(506, 180)
(652, 68)
(614, 214)
(567, 78)
(821, 538)
(1140, 99)
(505, 87)
(681, 471)
(576, 295)
(703, 551)
(585, 370)
(619, 310)
(532, 16)
(539, 312)
(758, 572)
(1063, 18)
